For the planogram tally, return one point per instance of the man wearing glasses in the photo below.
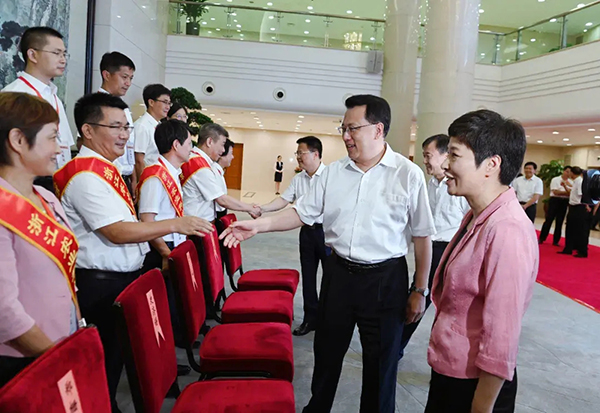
(157, 99)
(373, 203)
(312, 239)
(112, 243)
(45, 56)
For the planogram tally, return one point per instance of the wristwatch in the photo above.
(423, 291)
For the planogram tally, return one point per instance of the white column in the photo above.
(401, 44)
(448, 66)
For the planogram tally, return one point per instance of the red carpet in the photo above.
(576, 278)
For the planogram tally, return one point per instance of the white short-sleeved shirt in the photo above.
(48, 92)
(369, 217)
(448, 210)
(527, 188)
(126, 162)
(555, 185)
(90, 204)
(221, 175)
(154, 199)
(201, 190)
(576, 191)
(300, 185)
(144, 143)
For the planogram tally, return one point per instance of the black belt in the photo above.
(107, 275)
(314, 226)
(358, 267)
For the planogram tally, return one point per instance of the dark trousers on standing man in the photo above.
(374, 298)
(530, 211)
(312, 250)
(578, 230)
(557, 209)
(96, 295)
(438, 249)
(451, 395)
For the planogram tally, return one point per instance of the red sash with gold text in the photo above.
(104, 169)
(42, 231)
(191, 167)
(162, 173)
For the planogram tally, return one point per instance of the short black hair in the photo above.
(441, 142)
(487, 133)
(211, 130)
(88, 108)
(113, 61)
(576, 170)
(175, 108)
(313, 143)
(169, 131)
(153, 92)
(378, 110)
(532, 164)
(567, 167)
(36, 38)
(228, 145)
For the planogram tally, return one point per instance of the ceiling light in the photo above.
(299, 121)
(235, 20)
(239, 26)
(552, 20)
(273, 38)
(271, 17)
(541, 1)
(209, 32)
(303, 41)
(349, 11)
(143, 7)
(585, 30)
(238, 30)
(522, 53)
(204, 109)
(532, 40)
(481, 10)
(482, 54)
(305, 31)
(212, 114)
(596, 137)
(580, 5)
(310, 7)
(307, 20)
(204, 23)
(591, 130)
(241, 34)
(527, 136)
(233, 14)
(565, 139)
(569, 144)
(269, 4)
(555, 133)
(272, 29)
(372, 39)
(540, 141)
(212, 18)
(118, 17)
(219, 119)
(597, 143)
(218, 29)
(256, 117)
(229, 1)
(588, 24)
(301, 117)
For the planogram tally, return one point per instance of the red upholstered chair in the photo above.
(213, 280)
(239, 396)
(267, 279)
(70, 377)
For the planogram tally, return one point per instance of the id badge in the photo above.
(130, 153)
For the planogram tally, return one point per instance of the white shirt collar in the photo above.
(103, 91)
(434, 181)
(318, 172)
(150, 119)
(388, 159)
(38, 84)
(219, 167)
(172, 170)
(203, 154)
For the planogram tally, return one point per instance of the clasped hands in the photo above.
(256, 211)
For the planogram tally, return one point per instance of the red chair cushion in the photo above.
(213, 263)
(70, 375)
(151, 337)
(259, 307)
(185, 272)
(264, 347)
(233, 256)
(272, 279)
(239, 396)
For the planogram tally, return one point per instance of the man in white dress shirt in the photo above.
(223, 163)
(372, 203)
(448, 212)
(202, 188)
(45, 56)
(112, 243)
(529, 189)
(557, 206)
(578, 218)
(157, 99)
(312, 238)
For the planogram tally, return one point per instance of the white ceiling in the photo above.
(577, 135)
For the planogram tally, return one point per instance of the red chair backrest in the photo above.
(233, 257)
(213, 264)
(185, 272)
(145, 310)
(70, 377)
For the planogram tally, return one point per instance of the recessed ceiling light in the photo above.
(229, 1)
(269, 4)
(218, 29)
(118, 17)
(565, 139)
(301, 117)
(274, 38)
(204, 109)
(272, 28)
(204, 23)
(555, 133)
(219, 119)
(532, 40)
(482, 54)
(212, 114)
(580, 5)
(271, 17)
(238, 30)
(588, 24)
(540, 141)
(235, 20)
(310, 7)
(233, 14)
(307, 20)
(143, 7)
(527, 136)
(212, 18)
(552, 20)
(349, 11)
(209, 32)
(591, 130)
(541, 1)
(596, 137)
(585, 30)
(303, 41)
(299, 121)
(241, 34)
(239, 26)
(522, 53)
(305, 31)
(569, 144)
(597, 143)
(481, 10)
(372, 39)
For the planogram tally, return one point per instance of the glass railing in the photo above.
(230, 21)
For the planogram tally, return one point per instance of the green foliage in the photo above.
(550, 170)
(195, 118)
(194, 11)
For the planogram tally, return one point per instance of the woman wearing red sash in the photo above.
(37, 305)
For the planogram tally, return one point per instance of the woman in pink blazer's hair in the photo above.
(484, 283)
(37, 249)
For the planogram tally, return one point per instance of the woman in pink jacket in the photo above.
(485, 279)
(38, 305)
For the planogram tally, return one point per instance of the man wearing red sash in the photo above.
(45, 56)
(202, 190)
(38, 305)
(113, 244)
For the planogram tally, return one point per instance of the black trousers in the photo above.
(127, 180)
(530, 211)
(11, 366)
(451, 395)
(97, 293)
(595, 219)
(374, 298)
(312, 250)
(578, 230)
(438, 249)
(557, 209)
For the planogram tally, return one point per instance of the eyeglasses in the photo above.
(119, 128)
(351, 129)
(55, 53)
(181, 118)
(299, 154)
(166, 102)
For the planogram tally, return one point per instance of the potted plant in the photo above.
(186, 98)
(194, 14)
(548, 171)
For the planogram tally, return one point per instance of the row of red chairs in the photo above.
(253, 344)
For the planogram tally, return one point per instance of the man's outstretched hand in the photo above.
(237, 232)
